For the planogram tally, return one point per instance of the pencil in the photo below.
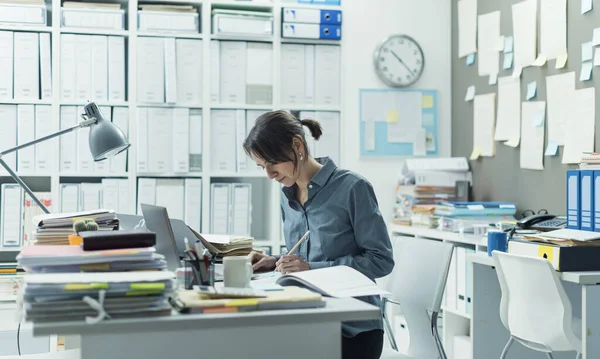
(304, 237)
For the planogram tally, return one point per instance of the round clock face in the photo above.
(399, 61)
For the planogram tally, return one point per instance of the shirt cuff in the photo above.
(317, 265)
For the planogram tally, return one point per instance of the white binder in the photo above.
(142, 140)
(215, 66)
(309, 74)
(45, 66)
(170, 193)
(222, 144)
(170, 71)
(327, 75)
(44, 151)
(160, 133)
(193, 203)
(99, 68)
(195, 140)
(83, 68)
(461, 275)
(11, 215)
(241, 220)
(116, 68)
(69, 197)
(67, 66)
(259, 73)
(8, 134)
(26, 133)
(329, 143)
(189, 71)
(220, 195)
(240, 136)
(91, 196)
(124, 196)
(293, 63)
(181, 140)
(6, 65)
(151, 70)
(233, 72)
(110, 194)
(146, 192)
(26, 64)
(68, 141)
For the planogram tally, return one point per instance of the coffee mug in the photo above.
(497, 241)
(237, 272)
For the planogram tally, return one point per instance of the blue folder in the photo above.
(586, 185)
(573, 199)
(596, 202)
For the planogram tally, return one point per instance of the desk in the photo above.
(489, 335)
(300, 334)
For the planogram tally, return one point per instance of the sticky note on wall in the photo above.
(427, 101)
(392, 116)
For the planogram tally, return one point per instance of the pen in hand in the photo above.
(304, 237)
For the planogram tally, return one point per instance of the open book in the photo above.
(336, 281)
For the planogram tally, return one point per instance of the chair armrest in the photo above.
(386, 322)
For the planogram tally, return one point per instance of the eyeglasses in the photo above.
(530, 212)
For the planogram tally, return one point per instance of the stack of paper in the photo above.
(55, 228)
(96, 296)
(226, 245)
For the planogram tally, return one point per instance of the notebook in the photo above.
(336, 281)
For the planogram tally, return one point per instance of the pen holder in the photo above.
(202, 272)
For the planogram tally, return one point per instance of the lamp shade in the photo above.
(106, 139)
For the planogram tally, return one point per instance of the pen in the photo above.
(304, 237)
(198, 246)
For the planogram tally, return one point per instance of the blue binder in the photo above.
(596, 202)
(573, 199)
(311, 31)
(312, 16)
(586, 185)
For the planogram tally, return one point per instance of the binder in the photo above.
(110, 194)
(99, 18)
(573, 199)
(45, 66)
(116, 68)
(242, 209)
(23, 14)
(99, 68)
(258, 25)
(240, 136)
(142, 141)
(6, 65)
(26, 66)
(120, 117)
(160, 133)
(220, 195)
(68, 141)
(181, 140)
(124, 196)
(215, 65)
(189, 71)
(222, 144)
(311, 31)
(587, 200)
(193, 203)
(329, 143)
(85, 162)
(451, 283)
(469, 281)
(91, 195)
(26, 133)
(170, 71)
(67, 64)
(69, 198)
(293, 64)
(195, 140)
(151, 70)
(259, 73)
(309, 74)
(461, 276)
(596, 185)
(44, 151)
(83, 68)
(10, 215)
(327, 75)
(233, 72)
(170, 193)
(312, 16)
(103, 167)
(8, 134)
(146, 192)
(169, 21)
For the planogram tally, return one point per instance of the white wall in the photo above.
(365, 23)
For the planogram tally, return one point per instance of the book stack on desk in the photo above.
(94, 297)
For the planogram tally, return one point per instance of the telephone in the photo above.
(543, 222)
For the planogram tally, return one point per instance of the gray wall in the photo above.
(500, 177)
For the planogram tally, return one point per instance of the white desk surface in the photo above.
(437, 234)
(583, 278)
(337, 309)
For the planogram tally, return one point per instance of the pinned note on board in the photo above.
(517, 72)
(586, 6)
(561, 61)
(531, 90)
(552, 149)
(540, 116)
(540, 61)
(493, 79)
(586, 71)
(470, 94)
(470, 59)
(508, 61)
(475, 154)
(392, 116)
(500, 44)
(596, 37)
(508, 44)
(597, 56)
(587, 51)
(427, 101)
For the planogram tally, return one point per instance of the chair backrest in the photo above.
(417, 283)
(534, 305)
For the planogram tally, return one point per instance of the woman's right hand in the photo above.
(261, 262)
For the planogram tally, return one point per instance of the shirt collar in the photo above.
(319, 179)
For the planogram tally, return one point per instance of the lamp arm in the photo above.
(82, 124)
(23, 185)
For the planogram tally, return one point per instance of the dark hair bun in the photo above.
(315, 128)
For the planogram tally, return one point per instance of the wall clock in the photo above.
(399, 61)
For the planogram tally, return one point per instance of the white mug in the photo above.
(237, 272)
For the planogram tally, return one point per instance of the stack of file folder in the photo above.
(463, 216)
(226, 245)
(54, 229)
(96, 296)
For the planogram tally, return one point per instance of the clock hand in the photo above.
(402, 62)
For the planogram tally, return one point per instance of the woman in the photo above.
(338, 206)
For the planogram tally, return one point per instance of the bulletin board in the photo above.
(398, 122)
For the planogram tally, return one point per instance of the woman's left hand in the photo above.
(291, 263)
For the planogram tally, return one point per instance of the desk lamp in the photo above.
(106, 140)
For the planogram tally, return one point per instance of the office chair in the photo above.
(417, 285)
(534, 306)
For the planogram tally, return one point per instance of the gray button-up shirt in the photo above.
(346, 228)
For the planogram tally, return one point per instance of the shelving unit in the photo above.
(266, 218)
